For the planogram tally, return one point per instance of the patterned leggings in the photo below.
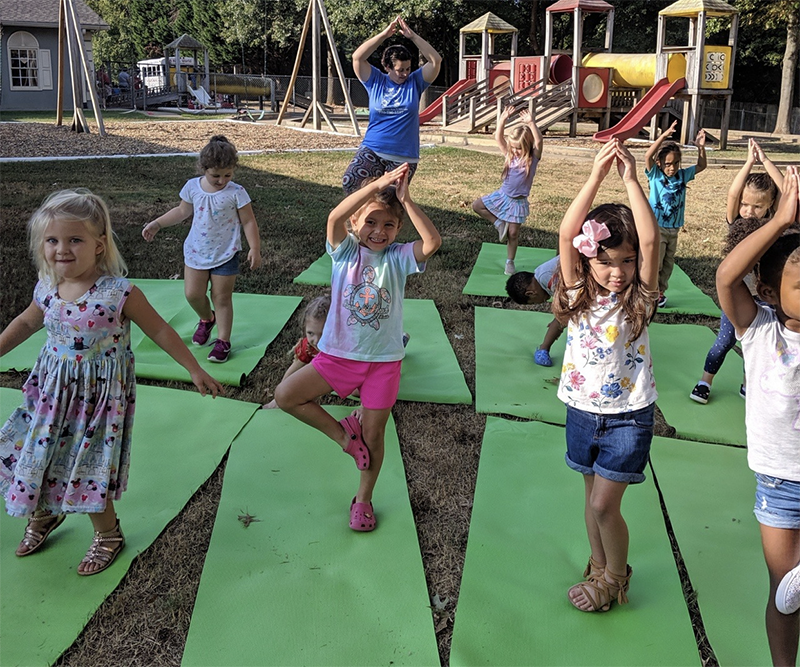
(726, 339)
(365, 164)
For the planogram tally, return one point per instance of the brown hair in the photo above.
(785, 250)
(386, 198)
(219, 153)
(638, 303)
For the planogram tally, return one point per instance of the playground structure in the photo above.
(315, 109)
(593, 85)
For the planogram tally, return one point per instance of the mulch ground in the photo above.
(163, 136)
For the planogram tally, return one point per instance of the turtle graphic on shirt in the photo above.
(367, 302)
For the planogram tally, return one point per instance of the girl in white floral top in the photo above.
(607, 295)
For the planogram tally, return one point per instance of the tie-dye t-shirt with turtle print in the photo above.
(603, 371)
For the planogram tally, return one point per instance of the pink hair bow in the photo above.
(593, 232)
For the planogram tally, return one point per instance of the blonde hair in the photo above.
(79, 205)
(523, 136)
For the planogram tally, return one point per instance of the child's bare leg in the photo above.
(604, 524)
(297, 395)
(552, 334)
(195, 287)
(480, 208)
(373, 430)
(513, 240)
(781, 553)
(222, 298)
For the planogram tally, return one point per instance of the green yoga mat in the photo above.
(709, 493)
(298, 587)
(45, 604)
(487, 277)
(319, 273)
(507, 381)
(258, 319)
(679, 351)
(430, 369)
(527, 546)
(683, 296)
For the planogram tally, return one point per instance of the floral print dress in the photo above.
(67, 448)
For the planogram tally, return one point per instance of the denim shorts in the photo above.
(777, 502)
(229, 268)
(614, 446)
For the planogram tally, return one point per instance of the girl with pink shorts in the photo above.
(362, 343)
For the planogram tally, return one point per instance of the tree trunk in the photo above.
(790, 57)
(533, 35)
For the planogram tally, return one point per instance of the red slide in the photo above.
(639, 116)
(432, 110)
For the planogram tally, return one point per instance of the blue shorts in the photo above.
(229, 268)
(777, 502)
(615, 446)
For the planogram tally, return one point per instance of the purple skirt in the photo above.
(509, 209)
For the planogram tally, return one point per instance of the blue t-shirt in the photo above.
(365, 321)
(668, 195)
(394, 114)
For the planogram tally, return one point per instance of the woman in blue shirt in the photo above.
(392, 136)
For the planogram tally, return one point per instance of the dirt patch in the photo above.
(164, 136)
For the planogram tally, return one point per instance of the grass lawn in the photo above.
(292, 195)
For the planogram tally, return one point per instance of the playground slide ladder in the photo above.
(550, 106)
(476, 107)
(473, 108)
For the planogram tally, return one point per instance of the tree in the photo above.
(769, 18)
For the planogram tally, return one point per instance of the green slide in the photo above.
(487, 277)
(45, 604)
(527, 546)
(507, 381)
(679, 351)
(709, 493)
(258, 318)
(296, 586)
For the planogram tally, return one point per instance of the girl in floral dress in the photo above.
(67, 448)
(607, 295)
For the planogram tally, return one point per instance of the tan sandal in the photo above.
(37, 531)
(601, 593)
(593, 570)
(104, 549)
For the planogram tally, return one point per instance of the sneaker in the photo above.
(700, 393)
(502, 229)
(406, 338)
(662, 299)
(743, 391)
(787, 597)
(222, 348)
(510, 268)
(203, 331)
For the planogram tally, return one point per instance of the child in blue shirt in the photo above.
(668, 196)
